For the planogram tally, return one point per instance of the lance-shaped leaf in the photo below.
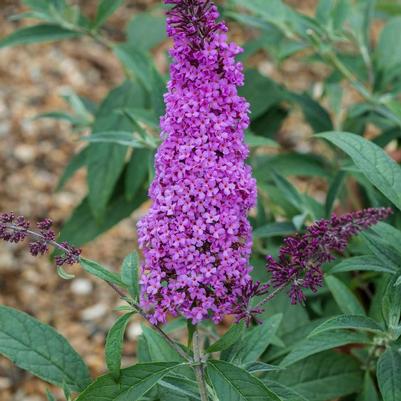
(379, 168)
(322, 342)
(114, 345)
(389, 375)
(235, 384)
(254, 342)
(38, 33)
(228, 339)
(134, 382)
(101, 272)
(130, 273)
(39, 349)
(355, 322)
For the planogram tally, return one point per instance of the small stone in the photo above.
(94, 312)
(81, 286)
(5, 127)
(24, 153)
(134, 330)
(5, 383)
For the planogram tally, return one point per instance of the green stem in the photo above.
(199, 366)
(272, 294)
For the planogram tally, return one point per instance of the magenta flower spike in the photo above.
(196, 238)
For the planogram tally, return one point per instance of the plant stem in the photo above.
(35, 235)
(199, 366)
(272, 294)
(121, 293)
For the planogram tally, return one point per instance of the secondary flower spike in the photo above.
(300, 259)
(196, 238)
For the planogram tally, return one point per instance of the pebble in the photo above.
(24, 153)
(5, 383)
(94, 312)
(134, 330)
(81, 286)
(5, 127)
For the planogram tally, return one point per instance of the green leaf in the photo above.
(391, 304)
(323, 377)
(355, 322)
(388, 50)
(284, 392)
(255, 89)
(130, 274)
(254, 141)
(254, 341)
(255, 367)
(322, 342)
(147, 117)
(77, 162)
(159, 349)
(288, 190)
(343, 296)
(274, 229)
(141, 65)
(390, 234)
(334, 189)
(50, 396)
(36, 34)
(39, 349)
(235, 384)
(117, 137)
(174, 385)
(382, 171)
(291, 164)
(369, 392)
(106, 161)
(103, 173)
(82, 227)
(228, 339)
(362, 263)
(100, 271)
(134, 382)
(389, 375)
(105, 9)
(139, 33)
(63, 116)
(387, 254)
(114, 345)
(273, 11)
(318, 117)
(78, 104)
(138, 169)
(63, 274)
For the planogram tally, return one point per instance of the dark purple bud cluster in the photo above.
(243, 310)
(16, 228)
(46, 235)
(13, 235)
(301, 258)
(194, 20)
(70, 256)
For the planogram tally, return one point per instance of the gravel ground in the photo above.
(33, 154)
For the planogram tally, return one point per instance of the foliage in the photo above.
(345, 344)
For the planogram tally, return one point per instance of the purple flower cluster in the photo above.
(16, 228)
(300, 259)
(196, 238)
